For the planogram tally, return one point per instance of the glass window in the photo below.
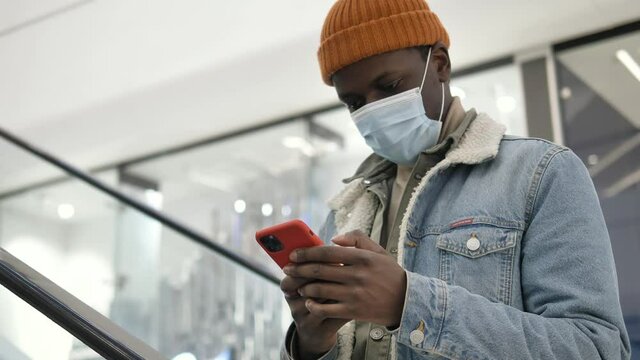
(497, 92)
(341, 161)
(599, 87)
(229, 189)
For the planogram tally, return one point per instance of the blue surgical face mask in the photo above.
(397, 127)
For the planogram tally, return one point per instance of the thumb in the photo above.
(359, 240)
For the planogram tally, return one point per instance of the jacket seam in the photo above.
(443, 287)
(536, 182)
(509, 288)
(514, 138)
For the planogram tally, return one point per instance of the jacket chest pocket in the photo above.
(479, 258)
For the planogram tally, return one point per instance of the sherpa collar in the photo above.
(376, 168)
(479, 143)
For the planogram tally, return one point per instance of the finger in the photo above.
(298, 308)
(290, 285)
(328, 311)
(320, 271)
(329, 255)
(325, 291)
(359, 240)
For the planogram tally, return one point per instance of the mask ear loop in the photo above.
(442, 108)
(424, 77)
(426, 70)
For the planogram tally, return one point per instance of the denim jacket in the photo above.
(506, 253)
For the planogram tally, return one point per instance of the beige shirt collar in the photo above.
(454, 118)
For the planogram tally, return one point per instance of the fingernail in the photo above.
(287, 269)
(307, 303)
(293, 256)
(300, 292)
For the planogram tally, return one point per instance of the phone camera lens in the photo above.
(271, 243)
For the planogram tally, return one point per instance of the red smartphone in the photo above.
(280, 240)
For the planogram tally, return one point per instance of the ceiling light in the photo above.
(185, 356)
(456, 91)
(625, 58)
(331, 146)
(299, 143)
(294, 142)
(506, 104)
(286, 210)
(240, 206)
(153, 198)
(267, 209)
(66, 211)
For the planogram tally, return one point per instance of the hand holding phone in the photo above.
(282, 239)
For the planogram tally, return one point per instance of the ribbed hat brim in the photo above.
(398, 31)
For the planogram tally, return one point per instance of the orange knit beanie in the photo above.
(357, 29)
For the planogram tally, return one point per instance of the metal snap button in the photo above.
(473, 243)
(376, 334)
(394, 251)
(416, 337)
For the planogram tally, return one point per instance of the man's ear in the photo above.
(440, 55)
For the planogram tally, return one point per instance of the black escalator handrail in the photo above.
(159, 216)
(80, 320)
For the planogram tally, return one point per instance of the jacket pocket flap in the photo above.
(477, 240)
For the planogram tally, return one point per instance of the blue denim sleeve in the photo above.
(569, 285)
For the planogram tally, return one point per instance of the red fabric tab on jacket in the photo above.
(464, 222)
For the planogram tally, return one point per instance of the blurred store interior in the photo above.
(213, 114)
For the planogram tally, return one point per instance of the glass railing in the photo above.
(42, 321)
(115, 250)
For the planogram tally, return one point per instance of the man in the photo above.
(452, 240)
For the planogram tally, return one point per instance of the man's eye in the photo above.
(391, 86)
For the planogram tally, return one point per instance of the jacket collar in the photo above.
(375, 168)
(479, 143)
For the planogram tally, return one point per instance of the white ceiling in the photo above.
(17, 14)
(110, 80)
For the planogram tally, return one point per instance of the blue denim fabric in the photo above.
(542, 284)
